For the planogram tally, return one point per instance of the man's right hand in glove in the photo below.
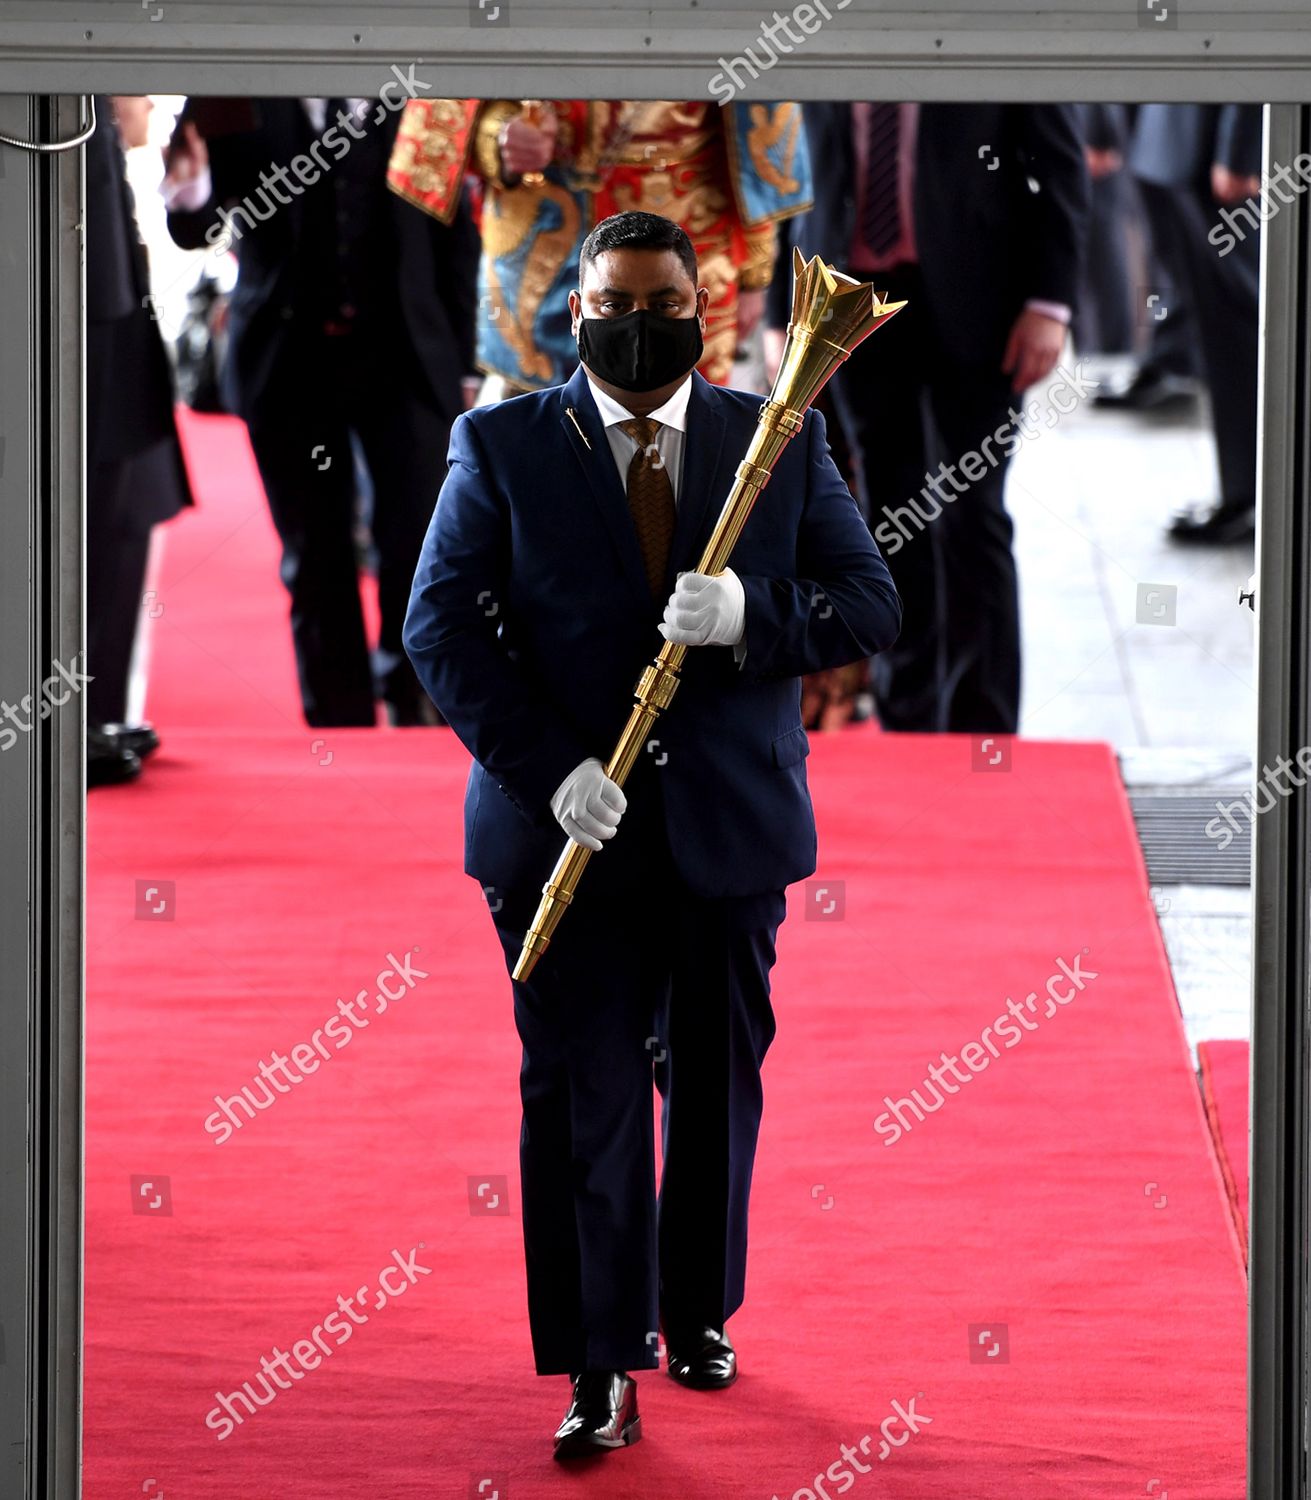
(588, 805)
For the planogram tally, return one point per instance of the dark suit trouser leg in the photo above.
(974, 537)
(405, 438)
(587, 1148)
(715, 1028)
(1104, 324)
(1173, 340)
(1225, 291)
(311, 498)
(879, 394)
(619, 981)
(117, 550)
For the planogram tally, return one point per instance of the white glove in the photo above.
(588, 805)
(706, 609)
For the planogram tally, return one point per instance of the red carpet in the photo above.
(1225, 1069)
(1042, 1271)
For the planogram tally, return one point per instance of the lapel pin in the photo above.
(570, 413)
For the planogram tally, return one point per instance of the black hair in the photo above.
(635, 230)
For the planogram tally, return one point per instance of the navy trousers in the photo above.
(643, 980)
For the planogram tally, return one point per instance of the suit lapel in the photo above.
(591, 448)
(704, 488)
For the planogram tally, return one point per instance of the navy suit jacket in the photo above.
(530, 621)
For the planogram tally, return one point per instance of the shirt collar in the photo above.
(672, 414)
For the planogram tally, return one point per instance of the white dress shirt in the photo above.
(672, 417)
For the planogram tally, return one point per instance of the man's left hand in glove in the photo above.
(706, 609)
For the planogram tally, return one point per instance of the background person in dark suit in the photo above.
(1105, 320)
(135, 475)
(558, 540)
(976, 214)
(353, 313)
(1192, 160)
(1166, 376)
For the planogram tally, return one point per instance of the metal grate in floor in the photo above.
(1172, 828)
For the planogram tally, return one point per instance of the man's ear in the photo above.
(702, 303)
(575, 311)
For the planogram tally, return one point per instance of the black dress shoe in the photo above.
(1149, 390)
(701, 1358)
(602, 1414)
(140, 739)
(107, 762)
(1218, 522)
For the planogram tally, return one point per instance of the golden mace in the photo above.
(831, 314)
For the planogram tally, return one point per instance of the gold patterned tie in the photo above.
(650, 500)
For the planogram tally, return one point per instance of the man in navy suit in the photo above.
(570, 519)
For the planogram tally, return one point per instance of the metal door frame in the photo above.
(41, 809)
(42, 578)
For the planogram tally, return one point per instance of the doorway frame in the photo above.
(42, 581)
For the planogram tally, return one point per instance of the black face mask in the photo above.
(640, 351)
